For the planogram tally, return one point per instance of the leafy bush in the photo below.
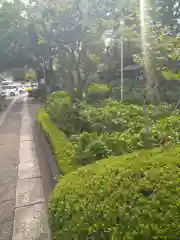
(58, 104)
(112, 116)
(62, 148)
(159, 112)
(167, 130)
(63, 112)
(90, 147)
(135, 196)
(94, 146)
(98, 92)
(115, 117)
(111, 128)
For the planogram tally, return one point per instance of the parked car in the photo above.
(10, 90)
(34, 85)
(20, 88)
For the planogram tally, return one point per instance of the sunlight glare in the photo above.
(144, 40)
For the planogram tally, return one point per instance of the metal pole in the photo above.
(122, 66)
(45, 82)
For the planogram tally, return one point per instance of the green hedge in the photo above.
(98, 92)
(132, 197)
(61, 147)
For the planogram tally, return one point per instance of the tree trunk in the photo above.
(38, 76)
(80, 91)
(45, 82)
(151, 84)
(50, 73)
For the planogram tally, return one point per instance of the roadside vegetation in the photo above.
(129, 197)
(106, 195)
(109, 127)
(116, 143)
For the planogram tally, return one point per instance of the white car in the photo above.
(21, 90)
(9, 90)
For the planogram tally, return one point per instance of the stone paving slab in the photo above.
(29, 191)
(26, 138)
(26, 145)
(27, 155)
(29, 170)
(26, 131)
(26, 118)
(31, 223)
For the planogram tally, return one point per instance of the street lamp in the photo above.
(122, 73)
(122, 63)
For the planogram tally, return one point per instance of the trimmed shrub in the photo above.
(98, 92)
(58, 106)
(64, 113)
(62, 148)
(90, 147)
(135, 196)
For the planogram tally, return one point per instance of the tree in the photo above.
(167, 13)
(65, 37)
(77, 38)
(12, 35)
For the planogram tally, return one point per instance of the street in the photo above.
(22, 199)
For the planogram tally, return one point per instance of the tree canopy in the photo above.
(65, 41)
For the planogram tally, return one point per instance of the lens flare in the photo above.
(145, 43)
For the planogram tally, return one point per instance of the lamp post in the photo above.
(122, 73)
(122, 61)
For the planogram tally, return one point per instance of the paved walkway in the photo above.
(22, 200)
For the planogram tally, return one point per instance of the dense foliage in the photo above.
(94, 146)
(97, 92)
(64, 112)
(112, 128)
(69, 43)
(131, 197)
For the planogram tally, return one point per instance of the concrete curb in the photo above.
(43, 143)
